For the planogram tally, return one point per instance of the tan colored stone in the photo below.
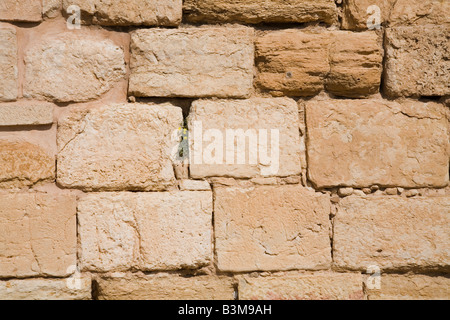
(302, 286)
(47, 289)
(359, 14)
(51, 8)
(411, 287)
(118, 147)
(21, 10)
(129, 12)
(192, 62)
(300, 63)
(24, 164)
(392, 232)
(166, 287)
(256, 11)
(25, 114)
(8, 64)
(72, 68)
(194, 185)
(417, 61)
(355, 64)
(254, 232)
(145, 231)
(370, 142)
(262, 119)
(37, 234)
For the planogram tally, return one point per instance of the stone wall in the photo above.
(212, 149)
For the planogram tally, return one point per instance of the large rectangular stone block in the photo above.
(377, 142)
(9, 72)
(244, 138)
(269, 228)
(129, 12)
(37, 234)
(256, 11)
(192, 62)
(118, 147)
(145, 231)
(21, 10)
(393, 233)
(15, 114)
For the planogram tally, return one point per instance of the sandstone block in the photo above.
(411, 287)
(37, 234)
(145, 231)
(364, 234)
(72, 69)
(129, 12)
(26, 114)
(244, 138)
(300, 63)
(256, 11)
(302, 286)
(24, 164)
(417, 61)
(46, 289)
(166, 287)
(21, 10)
(118, 147)
(8, 64)
(254, 232)
(192, 62)
(370, 142)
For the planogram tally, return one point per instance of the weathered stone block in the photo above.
(8, 64)
(15, 114)
(21, 10)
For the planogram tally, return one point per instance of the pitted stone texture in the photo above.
(37, 234)
(51, 8)
(411, 287)
(21, 10)
(259, 115)
(129, 12)
(192, 62)
(23, 164)
(358, 16)
(166, 287)
(118, 147)
(256, 11)
(15, 114)
(145, 231)
(72, 69)
(418, 61)
(47, 289)
(301, 63)
(255, 233)
(370, 142)
(392, 232)
(8, 64)
(302, 286)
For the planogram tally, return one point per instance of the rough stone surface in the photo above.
(195, 185)
(417, 61)
(72, 69)
(259, 115)
(8, 64)
(192, 62)
(129, 12)
(37, 234)
(166, 287)
(370, 142)
(256, 11)
(300, 286)
(26, 114)
(253, 232)
(302, 63)
(46, 289)
(146, 231)
(364, 236)
(21, 10)
(51, 8)
(118, 147)
(394, 12)
(23, 164)
(411, 287)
